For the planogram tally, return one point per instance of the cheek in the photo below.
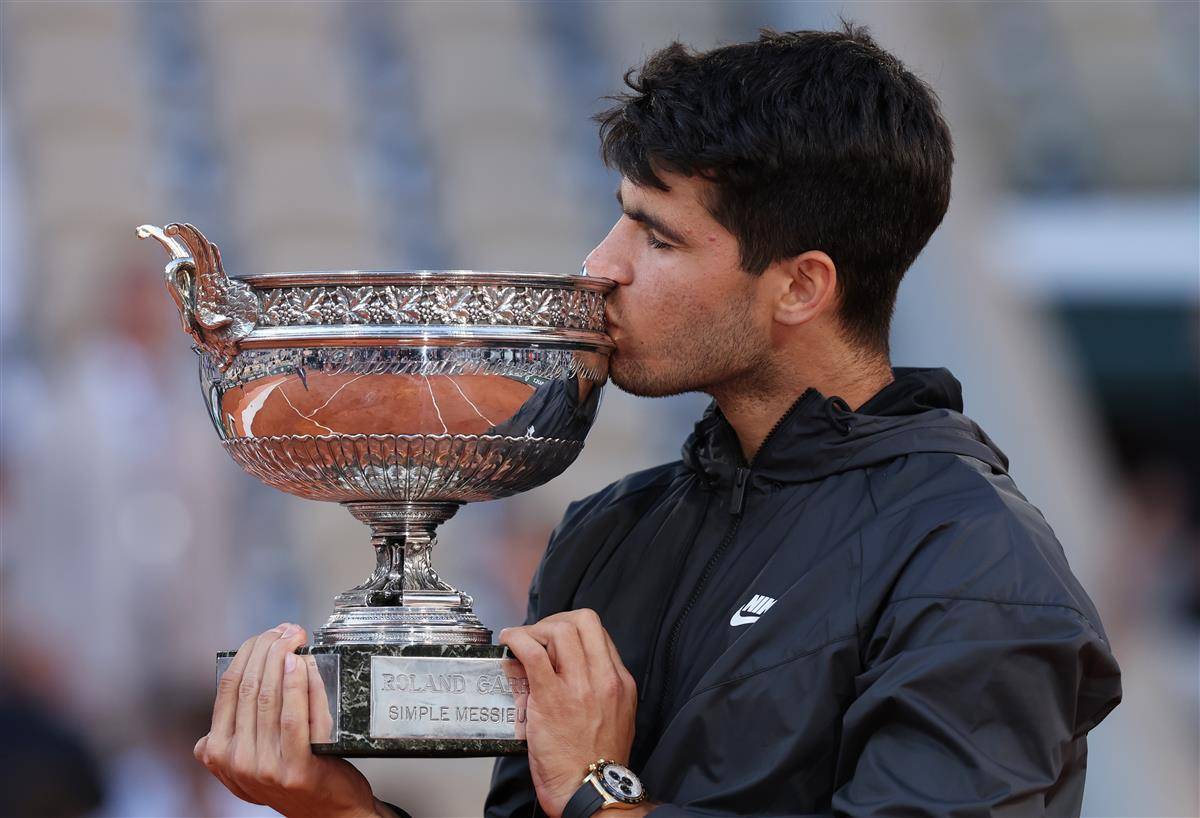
(670, 305)
(674, 296)
(649, 296)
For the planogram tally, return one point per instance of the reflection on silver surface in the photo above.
(400, 394)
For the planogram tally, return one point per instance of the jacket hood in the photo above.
(920, 411)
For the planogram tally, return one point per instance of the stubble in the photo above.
(703, 353)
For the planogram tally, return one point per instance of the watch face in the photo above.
(621, 783)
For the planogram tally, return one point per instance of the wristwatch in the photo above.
(607, 785)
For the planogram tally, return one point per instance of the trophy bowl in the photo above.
(400, 395)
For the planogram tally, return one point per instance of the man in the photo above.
(837, 602)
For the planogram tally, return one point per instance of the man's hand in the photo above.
(582, 701)
(258, 745)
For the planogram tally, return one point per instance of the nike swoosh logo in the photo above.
(751, 611)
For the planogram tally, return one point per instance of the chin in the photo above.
(636, 379)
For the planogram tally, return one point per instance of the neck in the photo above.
(753, 409)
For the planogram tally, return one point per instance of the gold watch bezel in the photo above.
(610, 800)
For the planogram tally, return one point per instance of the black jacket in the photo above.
(868, 619)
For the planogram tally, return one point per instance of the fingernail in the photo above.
(289, 663)
(280, 628)
(291, 630)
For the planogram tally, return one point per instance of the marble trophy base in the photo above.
(417, 700)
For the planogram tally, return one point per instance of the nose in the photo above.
(611, 258)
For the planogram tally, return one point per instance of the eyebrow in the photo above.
(653, 222)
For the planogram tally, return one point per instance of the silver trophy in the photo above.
(400, 395)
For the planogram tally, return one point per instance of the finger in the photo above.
(561, 638)
(245, 718)
(628, 683)
(531, 654)
(270, 691)
(227, 693)
(595, 642)
(320, 720)
(614, 655)
(293, 718)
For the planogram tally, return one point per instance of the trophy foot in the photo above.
(402, 625)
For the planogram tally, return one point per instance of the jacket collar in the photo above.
(921, 410)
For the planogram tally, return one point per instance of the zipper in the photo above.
(673, 638)
(652, 655)
(804, 398)
(738, 498)
(737, 504)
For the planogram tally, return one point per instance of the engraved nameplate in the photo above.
(424, 697)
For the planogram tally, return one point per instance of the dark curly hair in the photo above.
(813, 140)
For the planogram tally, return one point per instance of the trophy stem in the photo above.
(404, 601)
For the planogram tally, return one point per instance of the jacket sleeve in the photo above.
(969, 708)
(511, 794)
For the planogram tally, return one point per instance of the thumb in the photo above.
(198, 750)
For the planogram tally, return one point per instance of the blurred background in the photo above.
(1062, 290)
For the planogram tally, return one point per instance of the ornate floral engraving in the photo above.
(282, 307)
(580, 312)
(359, 303)
(595, 312)
(504, 305)
(325, 306)
(408, 306)
(453, 304)
(495, 305)
(545, 308)
(412, 468)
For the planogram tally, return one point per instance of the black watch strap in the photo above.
(584, 802)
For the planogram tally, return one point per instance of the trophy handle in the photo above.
(216, 310)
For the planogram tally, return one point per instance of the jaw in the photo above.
(742, 372)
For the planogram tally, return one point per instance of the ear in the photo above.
(807, 287)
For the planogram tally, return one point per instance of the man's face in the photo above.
(684, 316)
